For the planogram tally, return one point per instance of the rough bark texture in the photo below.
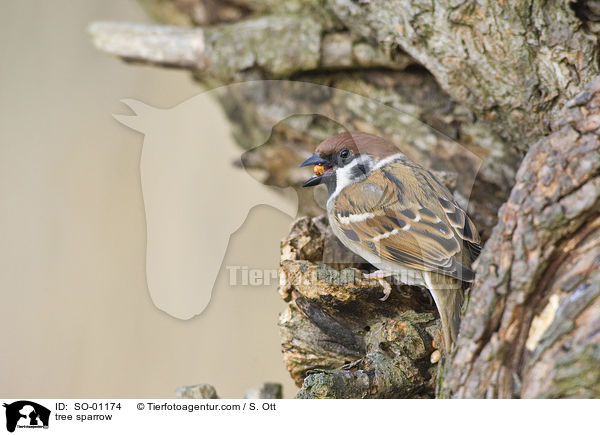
(511, 62)
(503, 79)
(267, 390)
(338, 338)
(532, 328)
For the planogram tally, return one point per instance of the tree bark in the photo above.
(532, 327)
(338, 339)
(516, 84)
(512, 63)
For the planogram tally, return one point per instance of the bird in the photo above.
(399, 217)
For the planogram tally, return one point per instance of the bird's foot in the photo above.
(387, 289)
(380, 276)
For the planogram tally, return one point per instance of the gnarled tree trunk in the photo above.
(517, 84)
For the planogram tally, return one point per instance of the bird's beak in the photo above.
(315, 159)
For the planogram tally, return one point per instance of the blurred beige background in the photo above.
(76, 316)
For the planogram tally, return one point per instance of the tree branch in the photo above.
(339, 340)
(162, 45)
(272, 46)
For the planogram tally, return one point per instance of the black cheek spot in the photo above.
(351, 234)
(359, 171)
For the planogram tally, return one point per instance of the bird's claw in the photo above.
(387, 289)
(380, 276)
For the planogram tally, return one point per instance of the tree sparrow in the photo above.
(397, 216)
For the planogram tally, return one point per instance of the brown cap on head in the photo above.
(359, 143)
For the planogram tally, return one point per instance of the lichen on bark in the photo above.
(339, 340)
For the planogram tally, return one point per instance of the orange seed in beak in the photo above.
(319, 170)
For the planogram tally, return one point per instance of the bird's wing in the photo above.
(401, 213)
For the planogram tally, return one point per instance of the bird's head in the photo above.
(346, 158)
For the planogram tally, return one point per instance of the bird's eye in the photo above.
(345, 153)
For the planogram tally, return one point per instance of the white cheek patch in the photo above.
(345, 176)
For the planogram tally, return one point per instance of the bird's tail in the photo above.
(448, 296)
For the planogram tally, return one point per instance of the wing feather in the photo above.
(416, 228)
